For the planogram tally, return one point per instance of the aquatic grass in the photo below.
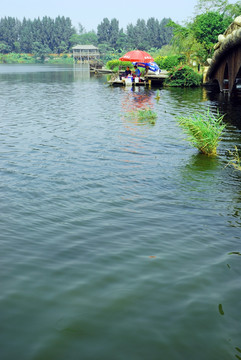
(157, 97)
(203, 130)
(147, 114)
(236, 159)
(143, 116)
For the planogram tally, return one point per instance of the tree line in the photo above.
(58, 35)
(27, 36)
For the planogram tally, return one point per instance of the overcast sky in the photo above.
(90, 13)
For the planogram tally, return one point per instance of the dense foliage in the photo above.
(184, 76)
(169, 62)
(207, 27)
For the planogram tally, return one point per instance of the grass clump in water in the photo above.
(204, 131)
(147, 114)
(142, 116)
(236, 159)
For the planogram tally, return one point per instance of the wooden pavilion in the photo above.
(85, 53)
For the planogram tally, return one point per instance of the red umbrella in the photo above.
(137, 56)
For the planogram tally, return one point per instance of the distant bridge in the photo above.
(225, 65)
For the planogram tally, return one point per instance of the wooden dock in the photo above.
(150, 78)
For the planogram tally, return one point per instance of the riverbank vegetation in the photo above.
(183, 76)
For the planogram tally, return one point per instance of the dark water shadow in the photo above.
(200, 166)
(230, 105)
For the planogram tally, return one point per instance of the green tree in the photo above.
(122, 43)
(130, 30)
(26, 36)
(137, 35)
(103, 31)
(81, 29)
(75, 40)
(233, 10)
(17, 47)
(63, 30)
(40, 51)
(153, 32)
(9, 29)
(208, 26)
(114, 33)
(88, 38)
(4, 48)
(141, 41)
(166, 32)
(185, 43)
(220, 6)
(205, 6)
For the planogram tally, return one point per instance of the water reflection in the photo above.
(137, 98)
(229, 105)
(137, 102)
(81, 72)
(45, 74)
(200, 167)
(234, 212)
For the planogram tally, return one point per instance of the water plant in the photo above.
(143, 116)
(157, 97)
(203, 130)
(147, 114)
(236, 159)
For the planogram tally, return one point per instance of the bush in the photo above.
(117, 64)
(183, 76)
(169, 62)
(14, 58)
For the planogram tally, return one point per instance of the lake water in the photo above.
(115, 235)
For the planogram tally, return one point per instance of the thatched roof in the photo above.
(85, 47)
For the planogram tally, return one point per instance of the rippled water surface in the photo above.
(118, 241)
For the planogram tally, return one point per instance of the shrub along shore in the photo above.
(15, 58)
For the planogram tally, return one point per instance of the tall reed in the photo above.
(203, 130)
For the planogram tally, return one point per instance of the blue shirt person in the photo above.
(137, 71)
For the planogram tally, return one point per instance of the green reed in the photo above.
(143, 116)
(236, 159)
(147, 114)
(204, 131)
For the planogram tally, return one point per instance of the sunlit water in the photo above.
(115, 235)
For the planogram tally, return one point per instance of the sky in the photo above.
(91, 13)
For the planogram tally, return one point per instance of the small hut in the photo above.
(85, 53)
